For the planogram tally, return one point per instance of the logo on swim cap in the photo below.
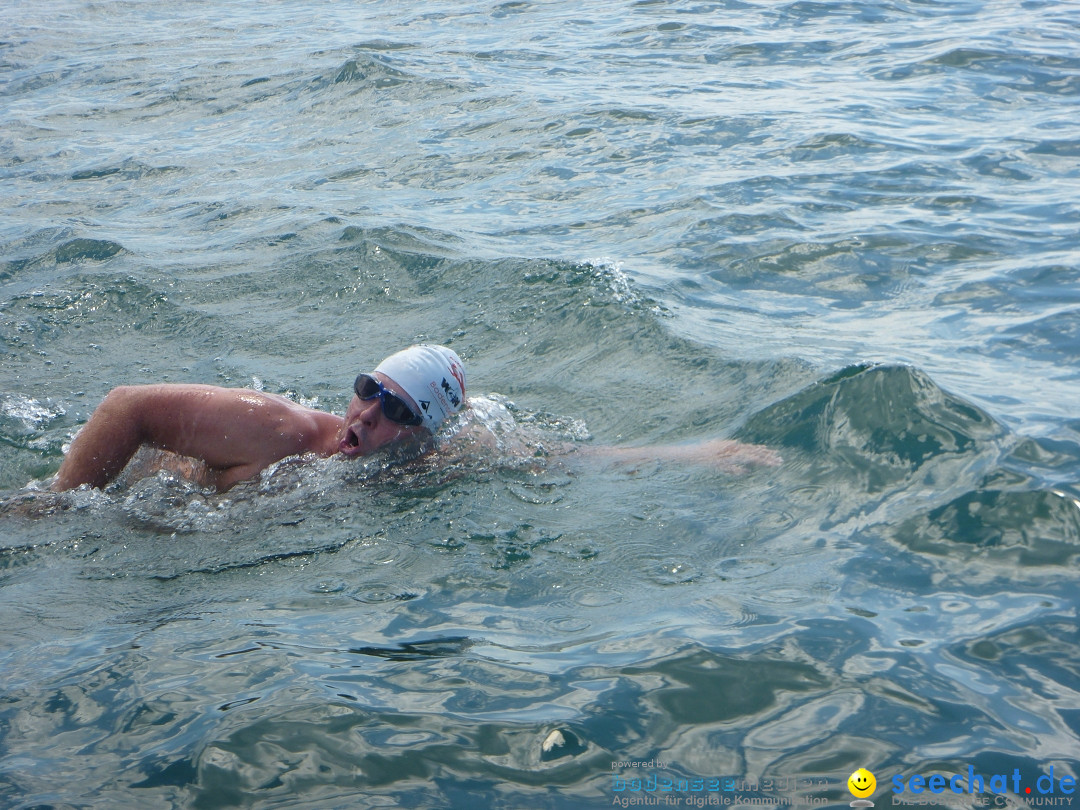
(433, 376)
(454, 398)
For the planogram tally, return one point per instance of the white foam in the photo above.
(32, 413)
(610, 272)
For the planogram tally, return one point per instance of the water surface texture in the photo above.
(847, 231)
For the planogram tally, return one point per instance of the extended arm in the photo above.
(724, 454)
(236, 432)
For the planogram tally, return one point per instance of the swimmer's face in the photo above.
(367, 428)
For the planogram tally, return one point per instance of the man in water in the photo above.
(237, 432)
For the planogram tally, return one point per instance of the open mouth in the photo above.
(350, 442)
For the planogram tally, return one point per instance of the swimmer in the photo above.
(235, 433)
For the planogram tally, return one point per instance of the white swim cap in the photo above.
(433, 376)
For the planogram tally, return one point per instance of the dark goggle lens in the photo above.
(394, 407)
(366, 387)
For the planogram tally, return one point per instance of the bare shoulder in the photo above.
(234, 432)
(231, 426)
(194, 399)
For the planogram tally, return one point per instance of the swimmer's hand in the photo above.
(725, 455)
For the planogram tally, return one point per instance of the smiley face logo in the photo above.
(861, 783)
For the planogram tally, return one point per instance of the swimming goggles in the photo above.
(394, 407)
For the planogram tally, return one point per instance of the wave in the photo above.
(886, 456)
(583, 356)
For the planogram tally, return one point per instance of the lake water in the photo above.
(848, 231)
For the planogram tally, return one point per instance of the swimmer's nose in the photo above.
(370, 414)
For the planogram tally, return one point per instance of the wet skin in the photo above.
(366, 429)
(235, 432)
